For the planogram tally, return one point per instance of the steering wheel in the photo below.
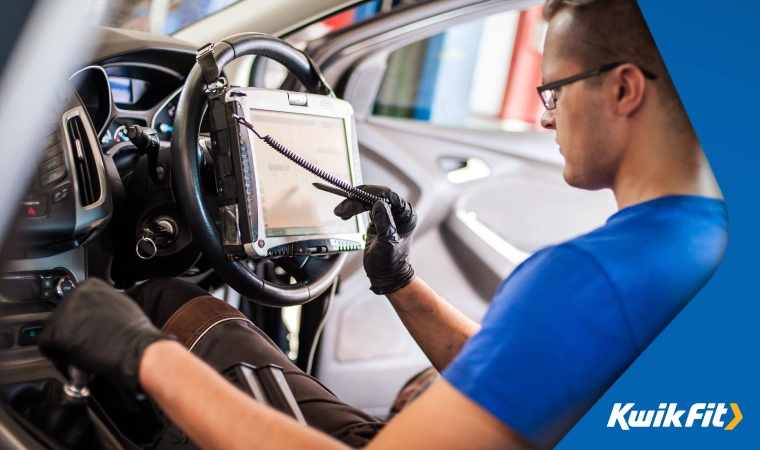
(314, 275)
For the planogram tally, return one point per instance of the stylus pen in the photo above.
(336, 191)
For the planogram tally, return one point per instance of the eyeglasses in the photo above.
(546, 92)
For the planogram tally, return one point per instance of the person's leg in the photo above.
(162, 297)
(221, 336)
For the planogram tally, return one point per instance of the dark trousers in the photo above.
(221, 336)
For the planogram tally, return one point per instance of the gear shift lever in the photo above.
(75, 390)
(64, 415)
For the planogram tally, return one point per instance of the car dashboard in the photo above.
(90, 196)
(138, 88)
(87, 187)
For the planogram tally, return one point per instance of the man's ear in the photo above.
(627, 86)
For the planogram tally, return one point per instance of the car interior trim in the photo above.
(445, 19)
(74, 261)
(167, 100)
(110, 96)
(98, 212)
(166, 70)
(496, 242)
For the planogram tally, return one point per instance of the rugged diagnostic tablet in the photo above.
(267, 203)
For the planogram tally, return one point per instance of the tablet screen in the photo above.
(291, 205)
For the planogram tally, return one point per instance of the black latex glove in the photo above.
(389, 238)
(100, 331)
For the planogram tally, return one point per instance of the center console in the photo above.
(66, 204)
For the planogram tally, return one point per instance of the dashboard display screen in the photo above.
(290, 204)
(121, 89)
(127, 90)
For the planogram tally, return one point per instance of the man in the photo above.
(561, 329)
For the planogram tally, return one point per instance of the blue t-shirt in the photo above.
(570, 319)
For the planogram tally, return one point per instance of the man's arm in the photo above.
(443, 418)
(439, 329)
(217, 415)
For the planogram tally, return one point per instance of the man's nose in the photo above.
(547, 120)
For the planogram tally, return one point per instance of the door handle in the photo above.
(460, 170)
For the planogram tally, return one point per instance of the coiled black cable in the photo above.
(352, 191)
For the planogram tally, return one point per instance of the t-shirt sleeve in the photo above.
(554, 339)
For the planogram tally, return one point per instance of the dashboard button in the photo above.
(46, 282)
(34, 205)
(52, 163)
(51, 151)
(6, 339)
(61, 194)
(53, 176)
(50, 140)
(28, 335)
(46, 294)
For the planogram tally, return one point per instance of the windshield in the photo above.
(155, 16)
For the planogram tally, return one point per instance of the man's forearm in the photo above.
(440, 329)
(214, 413)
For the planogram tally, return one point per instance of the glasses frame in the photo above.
(582, 76)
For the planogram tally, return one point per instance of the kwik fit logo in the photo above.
(668, 415)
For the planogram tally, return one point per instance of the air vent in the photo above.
(84, 157)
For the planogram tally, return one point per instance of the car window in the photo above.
(350, 16)
(156, 16)
(336, 22)
(480, 74)
(275, 73)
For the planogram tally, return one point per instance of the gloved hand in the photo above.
(99, 331)
(389, 238)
